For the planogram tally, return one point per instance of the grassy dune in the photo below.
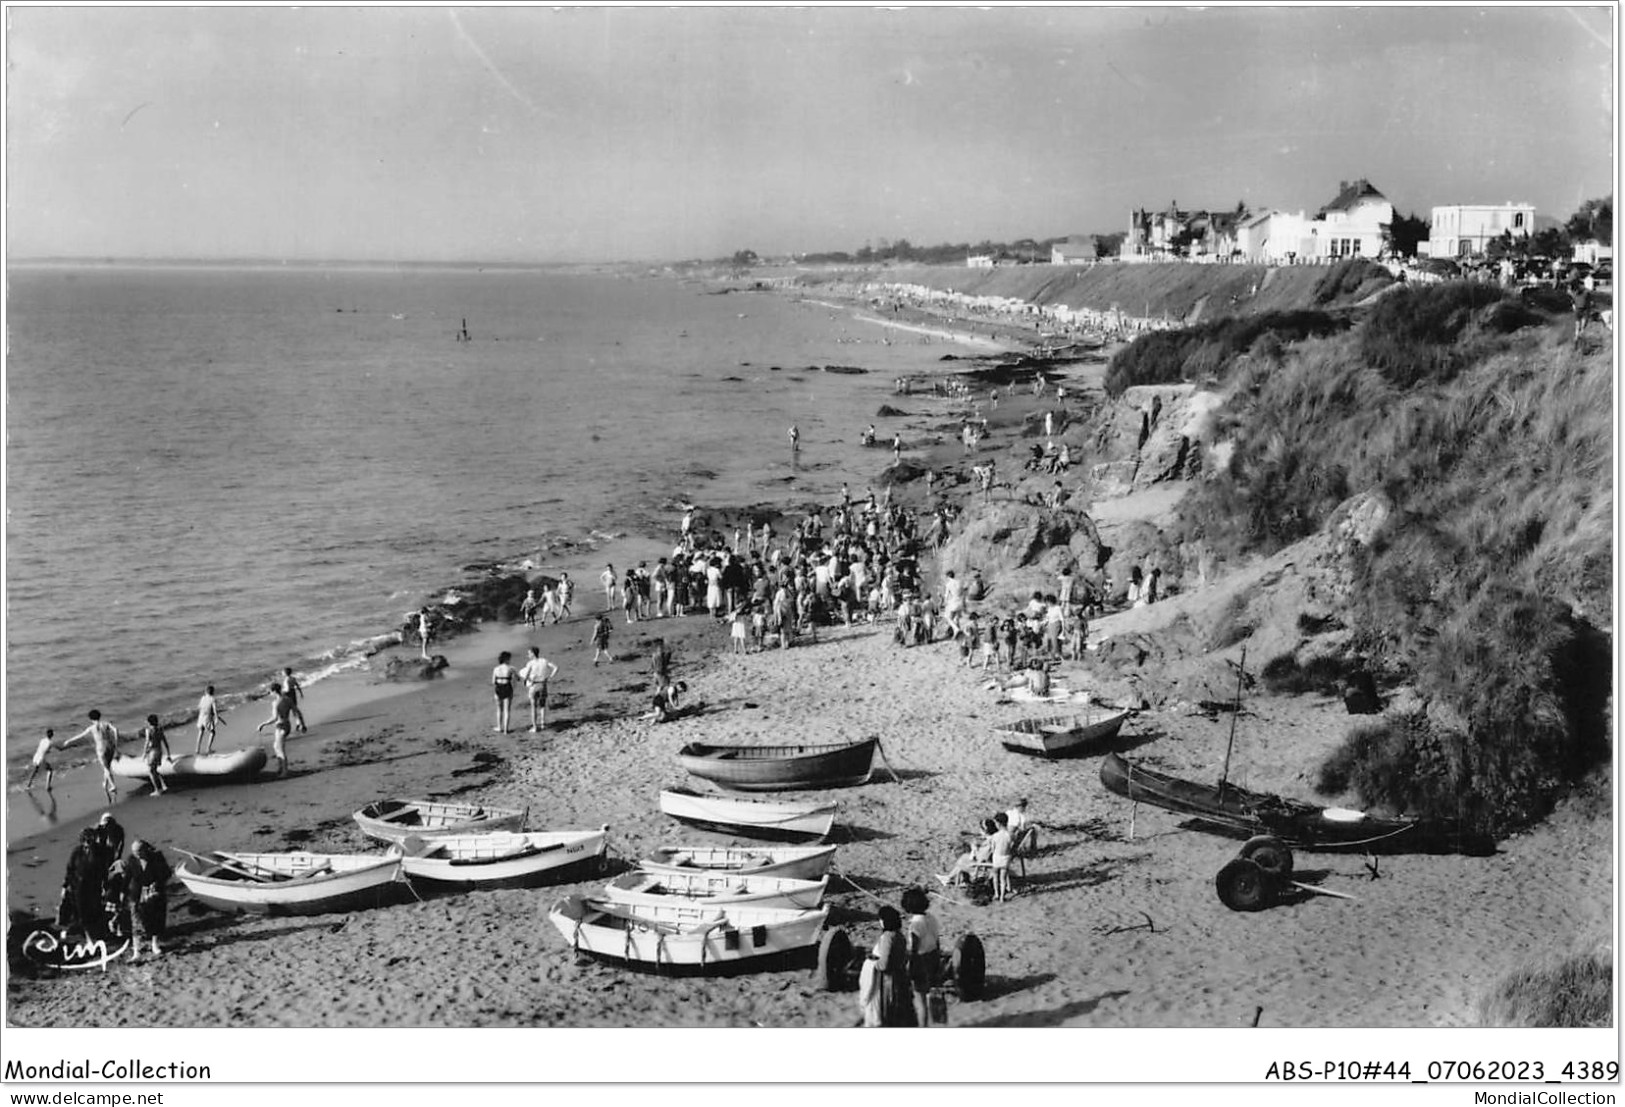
(1489, 588)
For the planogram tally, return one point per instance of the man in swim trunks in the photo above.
(104, 739)
(536, 673)
(210, 716)
(154, 751)
(295, 691)
(281, 715)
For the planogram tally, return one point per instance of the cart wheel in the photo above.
(834, 960)
(1244, 886)
(1270, 854)
(970, 967)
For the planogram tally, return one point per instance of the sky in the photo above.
(642, 133)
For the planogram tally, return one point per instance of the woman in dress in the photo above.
(981, 853)
(713, 588)
(147, 874)
(883, 991)
(80, 908)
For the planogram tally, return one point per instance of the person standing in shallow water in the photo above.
(210, 716)
(42, 760)
(104, 740)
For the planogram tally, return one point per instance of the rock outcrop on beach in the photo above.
(407, 670)
(1021, 549)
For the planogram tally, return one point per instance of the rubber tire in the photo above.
(1244, 886)
(1270, 854)
(834, 972)
(969, 967)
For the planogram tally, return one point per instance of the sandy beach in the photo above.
(1116, 923)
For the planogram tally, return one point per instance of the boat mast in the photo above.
(1241, 671)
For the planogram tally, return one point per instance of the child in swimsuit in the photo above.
(42, 761)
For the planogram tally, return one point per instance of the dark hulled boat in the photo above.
(1240, 813)
(780, 768)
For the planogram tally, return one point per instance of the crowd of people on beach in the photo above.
(855, 563)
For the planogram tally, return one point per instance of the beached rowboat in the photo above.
(200, 767)
(795, 862)
(779, 768)
(504, 859)
(1241, 813)
(1061, 735)
(391, 820)
(752, 818)
(685, 936)
(716, 888)
(293, 883)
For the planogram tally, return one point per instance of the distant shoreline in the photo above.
(305, 264)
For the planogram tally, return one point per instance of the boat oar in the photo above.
(253, 872)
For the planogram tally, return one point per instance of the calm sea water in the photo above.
(213, 473)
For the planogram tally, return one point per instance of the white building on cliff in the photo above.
(1352, 225)
(1458, 230)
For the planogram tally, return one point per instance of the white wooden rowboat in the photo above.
(1061, 735)
(293, 883)
(504, 859)
(710, 888)
(796, 862)
(750, 817)
(393, 820)
(684, 936)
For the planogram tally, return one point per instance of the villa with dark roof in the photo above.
(1351, 226)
